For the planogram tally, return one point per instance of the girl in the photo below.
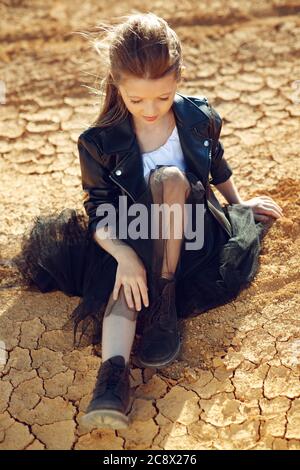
(151, 145)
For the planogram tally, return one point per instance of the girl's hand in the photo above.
(132, 275)
(263, 205)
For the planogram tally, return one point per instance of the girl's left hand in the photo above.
(263, 205)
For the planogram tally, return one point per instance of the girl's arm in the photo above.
(98, 188)
(229, 191)
(263, 206)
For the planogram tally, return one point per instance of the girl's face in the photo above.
(148, 98)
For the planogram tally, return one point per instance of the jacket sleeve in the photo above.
(220, 169)
(95, 181)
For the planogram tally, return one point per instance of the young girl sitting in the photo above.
(150, 145)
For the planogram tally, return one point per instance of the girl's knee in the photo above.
(172, 178)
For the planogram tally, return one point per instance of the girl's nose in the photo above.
(150, 111)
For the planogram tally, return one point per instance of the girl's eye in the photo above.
(135, 102)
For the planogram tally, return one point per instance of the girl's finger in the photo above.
(137, 296)
(274, 202)
(116, 289)
(269, 199)
(144, 291)
(272, 207)
(264, 209)
(128, 295)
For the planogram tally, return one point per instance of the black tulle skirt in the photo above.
(58, 253)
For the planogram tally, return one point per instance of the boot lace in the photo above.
(108, 379)
(160, 309)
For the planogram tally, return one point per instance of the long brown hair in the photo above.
(142, 45)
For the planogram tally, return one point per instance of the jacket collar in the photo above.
(120, 137)
(192, 120)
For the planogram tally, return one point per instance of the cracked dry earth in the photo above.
(236, 383)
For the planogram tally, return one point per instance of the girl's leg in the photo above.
(110, 402)
(119, 321)
(170, 186)
(160, 343)
(119, 325)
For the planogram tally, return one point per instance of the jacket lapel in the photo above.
(192, 124)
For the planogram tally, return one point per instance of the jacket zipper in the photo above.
(118, 184)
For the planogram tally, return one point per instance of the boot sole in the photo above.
(112, 419)
(161, 364)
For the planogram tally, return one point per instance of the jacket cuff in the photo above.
(222, 174)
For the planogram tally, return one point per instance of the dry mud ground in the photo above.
(236, 383)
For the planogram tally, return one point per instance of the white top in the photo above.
(170, 153)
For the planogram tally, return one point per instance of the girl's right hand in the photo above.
(131, 273)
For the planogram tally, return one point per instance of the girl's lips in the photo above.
(152, 118)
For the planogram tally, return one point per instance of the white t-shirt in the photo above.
(169, 153)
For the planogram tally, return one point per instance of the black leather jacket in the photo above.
(111, 162)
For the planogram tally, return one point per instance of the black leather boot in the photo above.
(111, 397)
(160, 342)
